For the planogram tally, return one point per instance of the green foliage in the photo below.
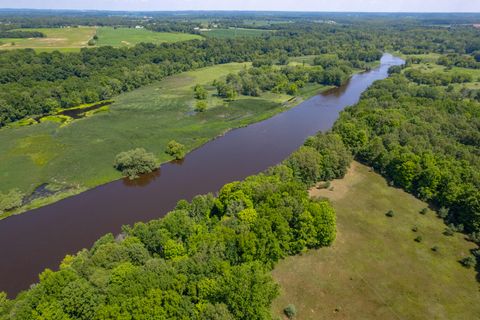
(10, 200)
(306, 164)
(201, 106)
(390, 214)
(290, 311)
(424, 211)
(200, 92)
(468, 262)
(135, 162)
(418, 239)
(176, 150)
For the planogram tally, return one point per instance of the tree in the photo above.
(307, 165)
(134, 162)
(176, 150)
(200, 92)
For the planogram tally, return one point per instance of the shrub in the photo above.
(176, 150)
(390, 213)
(474, 237)
(448, 232)
(424, 211)
(415, 229)
(418, 239)
(200, 92)
(201, 106)
(468, 262)
(290, 311)
(443, 212)
(435, 249)
(11, 200)
(134, 162)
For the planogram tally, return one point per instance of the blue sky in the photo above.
(275, 5)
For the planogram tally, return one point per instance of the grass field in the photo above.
(80, 155)
(72, 39)
(234, 33)
(375, 269)
(56, 38)
(119, 37)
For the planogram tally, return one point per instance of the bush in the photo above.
(200, 92)
(390, 213)
(201, 106)
(424, 211)
(415, 229)
(176, 150)
(448, 232)
(135, 162)
(418, 239)
(290, 311)
(443, 212)
(468, 262)
(435, 249)
(11, 200)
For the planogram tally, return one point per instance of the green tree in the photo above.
(176, 150)
(135, 162)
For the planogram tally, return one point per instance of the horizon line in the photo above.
(233, 10)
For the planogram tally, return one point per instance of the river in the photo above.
(40, 238)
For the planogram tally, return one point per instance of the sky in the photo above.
(260, 5)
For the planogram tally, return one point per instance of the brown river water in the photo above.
(40, 238)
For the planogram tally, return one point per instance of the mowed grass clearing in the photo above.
(375, 269)
(119, 37)
(80, 155)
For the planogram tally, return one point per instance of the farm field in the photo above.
(79, 155)
(108, 36)
(234, 33)
(375, 269)
(72, 39)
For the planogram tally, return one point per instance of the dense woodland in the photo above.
(208, 259)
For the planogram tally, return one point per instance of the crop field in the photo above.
(375, 269)
(234, 33)
(118, 37)
(72, 39)
(80, 154)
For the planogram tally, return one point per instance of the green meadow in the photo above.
(375, 269)
(79, 154)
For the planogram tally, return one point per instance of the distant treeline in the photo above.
(21, 34)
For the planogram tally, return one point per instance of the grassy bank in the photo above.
(375, 269)
(79, 155)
